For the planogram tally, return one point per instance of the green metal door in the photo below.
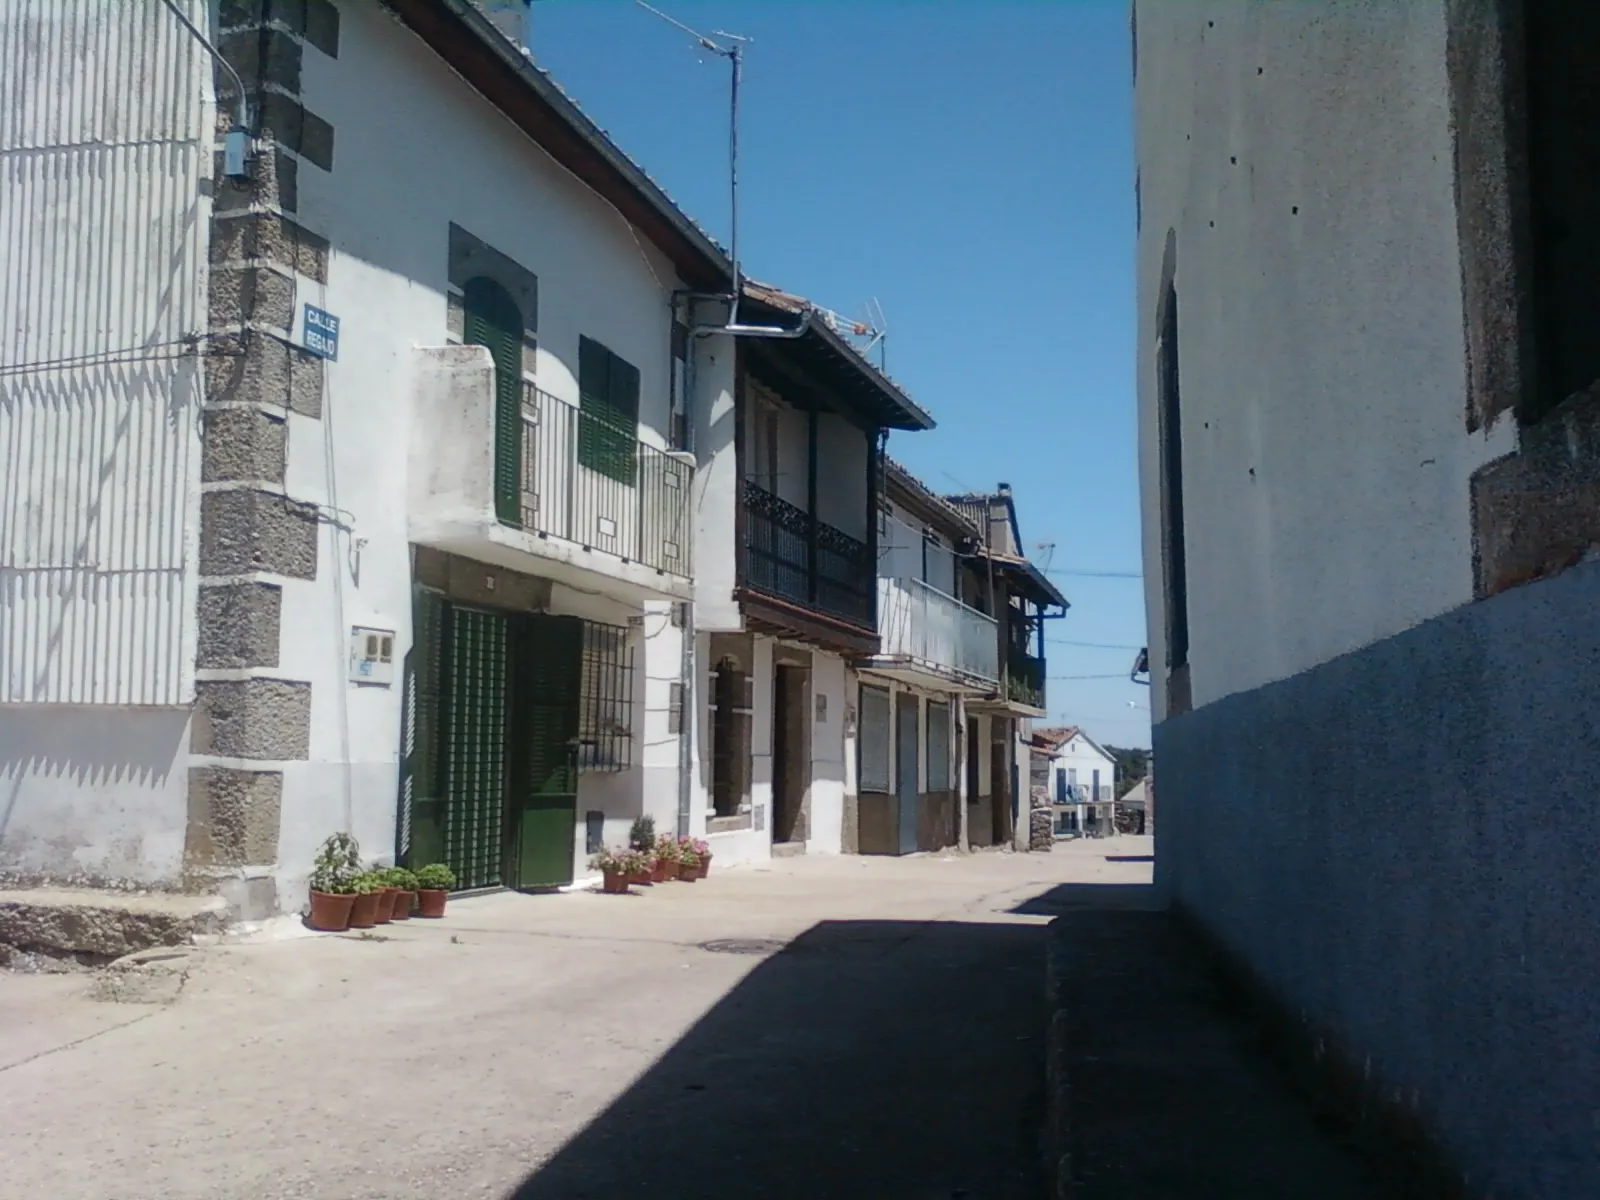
(476, 710)
(543, 816)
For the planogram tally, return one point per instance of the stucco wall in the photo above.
(1400, 841)
(1295, 183)
(93, 793)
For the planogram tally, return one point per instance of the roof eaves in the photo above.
(549, 93)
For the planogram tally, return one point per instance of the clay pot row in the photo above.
(334, 913)
(615, 883)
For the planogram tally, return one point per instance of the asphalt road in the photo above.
(820, 1028)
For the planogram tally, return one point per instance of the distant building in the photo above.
(1369, 411)
(1079, 778)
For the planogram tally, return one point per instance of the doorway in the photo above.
(906, 756)
(1000, 780)
(791, 753)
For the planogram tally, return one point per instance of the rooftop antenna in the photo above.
(731, 47)
(1048, 549)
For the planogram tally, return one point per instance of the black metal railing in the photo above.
(789, 554)
(598, 485)
(1025, 679)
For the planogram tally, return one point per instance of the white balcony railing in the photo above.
(924, 625)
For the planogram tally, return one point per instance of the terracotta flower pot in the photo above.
(689, 874)
(642, 878)
(658, 871)
(430, 902)
(672, 869)
(386, 899)
(330, 912)
(404, 901)
(364, 912)
(705, 865)
(614, 883)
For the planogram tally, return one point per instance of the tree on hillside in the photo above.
(1133, 764)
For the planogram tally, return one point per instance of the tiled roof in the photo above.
(930, 496)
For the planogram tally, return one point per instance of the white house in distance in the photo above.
(355, 473)
(1079, 776)
(1369, 237)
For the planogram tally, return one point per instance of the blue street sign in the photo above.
(322, 333)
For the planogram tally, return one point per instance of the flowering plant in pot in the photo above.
(669, 860)
(616, 869)
(695, 854)
(434, 882)
(368, 892)
(333, 883)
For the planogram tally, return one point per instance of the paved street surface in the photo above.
(869, 1027)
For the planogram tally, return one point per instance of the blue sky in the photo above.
(970, 166)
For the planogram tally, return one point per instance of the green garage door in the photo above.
(475, 746)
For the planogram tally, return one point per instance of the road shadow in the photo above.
(1076, 897)
(1149, 858)
(873, 1059)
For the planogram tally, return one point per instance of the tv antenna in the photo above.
(731, 47)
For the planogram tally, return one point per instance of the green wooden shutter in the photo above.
(608, 393)
(492, 319)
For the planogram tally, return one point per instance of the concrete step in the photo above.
(788, 849)
(96, 928)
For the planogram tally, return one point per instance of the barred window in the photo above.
(605, 708)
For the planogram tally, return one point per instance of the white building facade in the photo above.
(1369, 462)
(340, 501)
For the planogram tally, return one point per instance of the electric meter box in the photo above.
(371, 655)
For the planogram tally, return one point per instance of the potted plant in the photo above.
(642, 834)
(404, 883)
(688, 862)
(364, 909)
(642, 864)
(434, 882)
(615, 867)
(332, 883)
(669, 858)
(695, 854)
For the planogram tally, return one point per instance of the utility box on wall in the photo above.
(371, 655)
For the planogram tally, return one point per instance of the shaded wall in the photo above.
(1401, 842)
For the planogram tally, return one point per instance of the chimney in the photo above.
(513, 18)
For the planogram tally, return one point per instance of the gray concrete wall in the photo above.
(1402, 843)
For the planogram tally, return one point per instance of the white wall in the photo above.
(842, 451)
(716, 487)
(401, 116)
(1082, 755)
(1301, 157)
(828, 685)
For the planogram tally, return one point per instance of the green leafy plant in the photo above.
(400, 877)
(435, 876)
(366, 883)
(642, 835)
(337, 865)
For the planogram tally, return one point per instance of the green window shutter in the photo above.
(492, 319)
(549, 678)
(608, 393)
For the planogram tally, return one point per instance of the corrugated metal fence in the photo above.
(103, 144)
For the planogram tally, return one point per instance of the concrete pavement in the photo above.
(858, 1027)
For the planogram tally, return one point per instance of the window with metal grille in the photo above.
(605, 708)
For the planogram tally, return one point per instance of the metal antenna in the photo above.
(731, 47)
